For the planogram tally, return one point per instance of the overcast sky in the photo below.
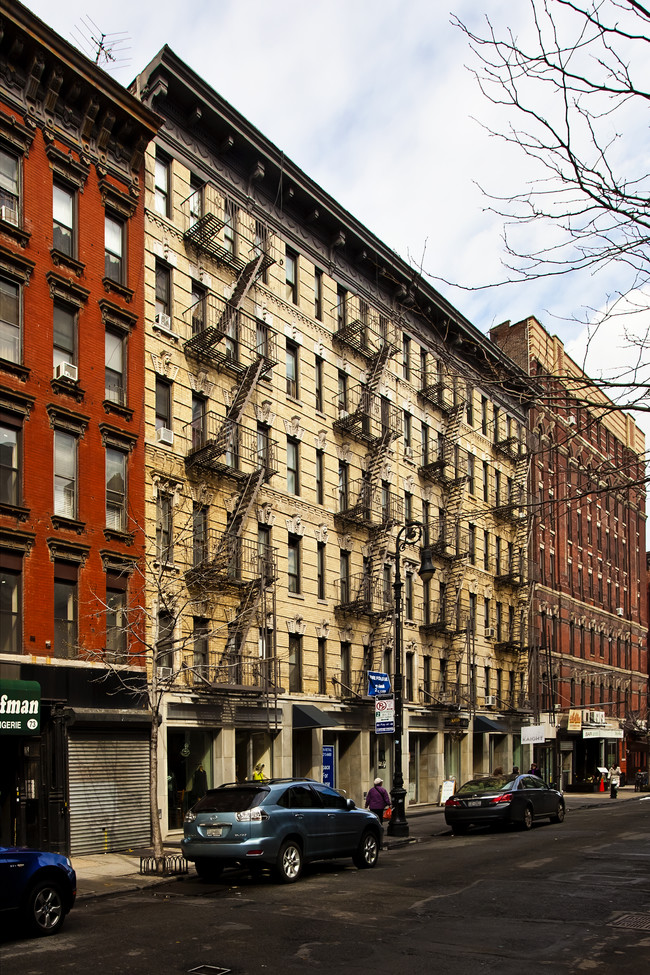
(372, 98)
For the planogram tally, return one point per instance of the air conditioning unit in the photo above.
(163, 435)
(164, 673)
(67, 371)
(490, 633)
(490, 701)
(9, 215)
(163, 321)
(619, 610)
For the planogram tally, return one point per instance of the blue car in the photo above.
(278, 824)
(38, 887)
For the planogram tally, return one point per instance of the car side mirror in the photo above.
(350, 804)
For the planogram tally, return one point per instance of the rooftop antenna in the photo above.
(104, 49)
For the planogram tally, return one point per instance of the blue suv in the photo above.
(279, 824)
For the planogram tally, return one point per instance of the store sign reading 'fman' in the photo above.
(20, 707)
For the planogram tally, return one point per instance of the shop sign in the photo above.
(534, 734)
(602, 732)
(20, 707)
(385, 715)
(575, 720)
(328, 765)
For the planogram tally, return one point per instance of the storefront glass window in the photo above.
(189, 771)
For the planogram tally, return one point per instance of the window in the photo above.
(322, 665)
(292, 369)
(486, 613)
(63, 211)
(200, 646)
(470, 407)
(9, 186)
(165, 641)
(65, 329)
(195, 202)
(261, 246)
(320, 570)
(65, 474)
(161, 185)
(486, 480)
(164, 529)
(295, 663)
(484, 416)
(344, 575)
(406, 356)
(407, 430)
(346, 673)
(198, 421)
(163, 404)
(10, 603)
(114, 249)
(265, 554)
(320, 474)
(470, 472)
(472, 544)
(293, 468)
(424, 434)
(262, 338)
(291, 276)
(318, 293)
(319, 384)
(264, 453)
(486, 549)
(115, 489)
(472, 613)
(10, 332)
(408, 506)
(342, 390)
(230, 211)
(341, 307)
(115, 386)
(10, 458)
(163, 293)
(199, 534)
(116, 623)
(408, 596)
(343, 485)
(197, 308)
(409, 674)
(65, 610)
(293, 564)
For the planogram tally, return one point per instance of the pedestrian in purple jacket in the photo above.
(377, 799)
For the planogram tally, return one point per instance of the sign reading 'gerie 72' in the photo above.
(20, 707)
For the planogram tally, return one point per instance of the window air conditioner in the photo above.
(619, 610)
(490, 632)
(163, 435)
(490, 701)
(67, 371)
(163, 321)
(9, 215)
(164, 672)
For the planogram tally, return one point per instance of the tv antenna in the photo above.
(104, 49)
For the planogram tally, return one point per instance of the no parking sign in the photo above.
(385, 715)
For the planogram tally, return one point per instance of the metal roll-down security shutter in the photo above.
(109, 792)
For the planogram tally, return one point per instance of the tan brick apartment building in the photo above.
(589, 664)
(306, 394)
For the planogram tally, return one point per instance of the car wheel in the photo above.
(367, 853)
(45, 909)
(208, 869)
(289, 863)
(559, 816)
(527, 818)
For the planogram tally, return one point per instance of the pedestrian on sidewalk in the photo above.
(614, 781)
(377, 799)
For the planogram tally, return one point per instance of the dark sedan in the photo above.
(40, 888)
(503, 800)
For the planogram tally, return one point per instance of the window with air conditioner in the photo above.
(64, 341)
(10, 321)
(115, 489)
(9, 187)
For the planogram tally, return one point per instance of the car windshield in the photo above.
(230, 800)
(487, 784)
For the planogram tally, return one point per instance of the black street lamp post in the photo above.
(409, 534)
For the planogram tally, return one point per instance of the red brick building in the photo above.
(71, 435)
(589, 661)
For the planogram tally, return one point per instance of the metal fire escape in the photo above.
(237, 343)
(514, 575)
(370, 418)
(442, 463)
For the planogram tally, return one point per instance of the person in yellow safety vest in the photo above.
(258, 774)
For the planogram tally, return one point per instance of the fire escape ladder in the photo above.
(212, 335)
(245, 502)
(376, 367)
(245, 614)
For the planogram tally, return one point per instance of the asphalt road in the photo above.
(562, 898)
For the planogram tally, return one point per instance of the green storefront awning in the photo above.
(20, 707)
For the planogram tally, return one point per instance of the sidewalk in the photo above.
(102, 874)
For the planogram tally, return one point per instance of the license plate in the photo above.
(475, 802)
(214, 831)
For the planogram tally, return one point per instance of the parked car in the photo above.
(39, 887)
(280, 824)
(503, 799)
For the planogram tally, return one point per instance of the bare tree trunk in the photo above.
(153, 790)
